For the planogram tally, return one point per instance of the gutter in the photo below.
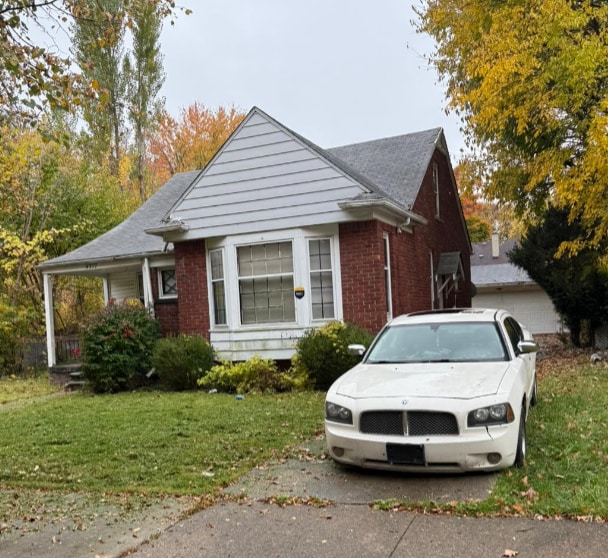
(410, 217)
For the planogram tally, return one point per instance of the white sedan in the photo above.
(440, 391)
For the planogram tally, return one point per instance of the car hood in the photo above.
(447, 380)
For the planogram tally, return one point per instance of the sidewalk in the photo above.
(311, 507)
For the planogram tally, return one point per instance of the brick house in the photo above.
(276, 235)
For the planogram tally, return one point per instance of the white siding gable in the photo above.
(264, 178)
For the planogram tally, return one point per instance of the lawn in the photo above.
(158, 443)
(16, 389)
(150, 441)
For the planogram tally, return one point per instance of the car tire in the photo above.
(534, 397)
(520, 452)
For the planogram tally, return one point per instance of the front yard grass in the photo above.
(15, 389)
(151, 444)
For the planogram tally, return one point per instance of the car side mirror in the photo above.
(527, 347)
(356, 350)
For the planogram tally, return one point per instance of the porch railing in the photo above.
(67, 350)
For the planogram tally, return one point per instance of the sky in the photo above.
(335, 71)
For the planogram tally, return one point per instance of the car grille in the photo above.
(412, 423)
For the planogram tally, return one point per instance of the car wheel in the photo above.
(520, 452)
(534, 397)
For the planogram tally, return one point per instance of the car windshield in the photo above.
(438, 342)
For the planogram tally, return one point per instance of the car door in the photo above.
(525, 361)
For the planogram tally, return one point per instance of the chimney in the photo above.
(495, 245)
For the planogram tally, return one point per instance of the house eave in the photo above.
(361, 206)
(99, 266)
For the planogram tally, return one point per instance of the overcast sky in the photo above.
(334, 71)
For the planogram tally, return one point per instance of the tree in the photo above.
(189, 144)
(53, 200)
(145, 80)
(101, 62)
(530, 80)
(32, 76)
(577, 284)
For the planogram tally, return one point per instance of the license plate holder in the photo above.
(405, 454)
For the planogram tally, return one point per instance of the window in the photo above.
(514, 332)
(265, 273)
(436, 188)
(216, 263)
(167, 283)
(387, 278)
(321, 279)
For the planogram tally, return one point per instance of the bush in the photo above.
(117, 345)
(254, 375)
(322, 352)
(14, 324)
(181, 361)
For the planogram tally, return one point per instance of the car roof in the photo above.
(451, 315)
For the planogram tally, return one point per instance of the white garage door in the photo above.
(534, 309)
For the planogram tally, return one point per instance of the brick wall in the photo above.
(193, 300)
(362, 257)
(362, 265)
(447, 233)
(167, 313)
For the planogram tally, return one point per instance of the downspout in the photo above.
(432, 281)
(49, 320)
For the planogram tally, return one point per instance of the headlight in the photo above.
(337, 413)
(496, 414)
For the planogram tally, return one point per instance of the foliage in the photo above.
(117, 345)
(257, 374)
(529, 80)
(322, 352)
(577, 284)
(32, 76)
(146, 75)
(149, 442)
(52, 202)
(190, 142)
(182, 360)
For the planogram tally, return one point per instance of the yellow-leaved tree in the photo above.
(530, 80)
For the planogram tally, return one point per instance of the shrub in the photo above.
(322, 352)
(14, 324)
(117, 344)
(254, 375)
(181, 361)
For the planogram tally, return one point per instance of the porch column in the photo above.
(106, 290)
(49, 319)
(148, 298)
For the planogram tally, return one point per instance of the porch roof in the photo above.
(129, 239)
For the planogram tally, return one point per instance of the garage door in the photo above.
(534, 309)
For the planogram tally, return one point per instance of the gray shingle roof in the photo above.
(391, 168)
(129, 237)
(395, 165)
(488, 271)
(499, 274)
(482, 252)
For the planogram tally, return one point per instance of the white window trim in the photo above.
(159, 274)
(332, 249)
(211, 281)
(387, 275)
